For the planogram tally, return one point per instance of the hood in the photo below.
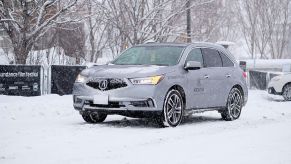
(126, 71)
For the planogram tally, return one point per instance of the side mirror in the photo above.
(192, 65)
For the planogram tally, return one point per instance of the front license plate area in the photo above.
(100, 99)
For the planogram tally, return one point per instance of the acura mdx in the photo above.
(165, 81)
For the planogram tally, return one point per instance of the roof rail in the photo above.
(149, 41)
(225, 44)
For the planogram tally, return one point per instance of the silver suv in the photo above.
(163, 81)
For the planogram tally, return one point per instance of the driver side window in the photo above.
(195, 55)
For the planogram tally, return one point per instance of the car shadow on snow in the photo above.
(151, 123)
(194, 119)
(132, 122)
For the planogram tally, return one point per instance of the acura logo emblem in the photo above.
(103, 85)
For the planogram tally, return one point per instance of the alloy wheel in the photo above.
(173, 109)
(234, 105)
(287, 92)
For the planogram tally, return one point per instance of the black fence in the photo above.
(260, 79)
(63, 78)
(21, 80)
(28, 80)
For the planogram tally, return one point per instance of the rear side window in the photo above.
(211, 58)
(226, 62)
(195, 55)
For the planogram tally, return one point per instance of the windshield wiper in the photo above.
(137, 64)
(160, 64)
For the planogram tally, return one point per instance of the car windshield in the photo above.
(150, 55)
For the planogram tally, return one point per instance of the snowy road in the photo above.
(47, 130)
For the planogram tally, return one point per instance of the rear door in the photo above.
(215, 76)
(228, 70)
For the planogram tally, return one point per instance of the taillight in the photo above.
(244, 74)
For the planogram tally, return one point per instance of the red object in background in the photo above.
(244, 74)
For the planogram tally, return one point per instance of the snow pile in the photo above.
(43, 107)
(270, 63)
(47, 130)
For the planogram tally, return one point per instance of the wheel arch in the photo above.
(286, 97)
(285, 85)
(181, 90)
(240, 88)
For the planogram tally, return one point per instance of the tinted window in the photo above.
(226, 62)
(211, 58)
(195, 55)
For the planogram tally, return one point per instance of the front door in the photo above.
(196, 82)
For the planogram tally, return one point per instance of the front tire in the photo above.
(173, 109)
(287, 92)
(233, 105)
(94, 117)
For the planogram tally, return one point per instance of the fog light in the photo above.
(77, 100)
(150, 103)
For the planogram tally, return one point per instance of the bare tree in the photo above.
(265, 26)
(248, 14)
(229, 22)
(136, 22)
(24, 21)
(277, 23)
(262, 35)
(97, 29)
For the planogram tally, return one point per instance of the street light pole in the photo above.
(188, 19)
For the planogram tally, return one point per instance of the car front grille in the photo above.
(109, 105)
(105, 84)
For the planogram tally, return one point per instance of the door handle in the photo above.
(228, 75)
(206, 76)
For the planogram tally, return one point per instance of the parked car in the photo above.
(281, 85)
(164, 81)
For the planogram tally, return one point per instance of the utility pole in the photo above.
(188, 19)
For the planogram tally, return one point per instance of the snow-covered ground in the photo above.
(46, 129)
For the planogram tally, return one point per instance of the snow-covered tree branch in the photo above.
(25, 20)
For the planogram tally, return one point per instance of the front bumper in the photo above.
(275, 88)
(144, 98)
(271, 90)
(84, 103)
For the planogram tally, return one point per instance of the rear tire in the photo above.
(287, 92)
(94, 117)
(173, 109)
(233, 105)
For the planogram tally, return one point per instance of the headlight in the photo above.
(81, 79)
(154, 80)
(277, 78)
